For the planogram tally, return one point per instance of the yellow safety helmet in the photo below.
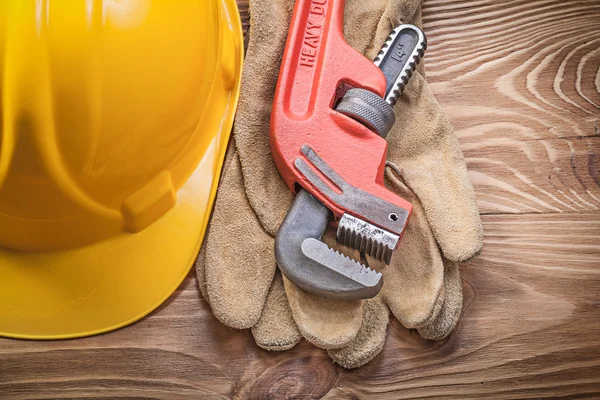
(114, 120)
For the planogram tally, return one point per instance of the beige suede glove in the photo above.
(236, 269)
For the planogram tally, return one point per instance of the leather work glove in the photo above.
(236, 268)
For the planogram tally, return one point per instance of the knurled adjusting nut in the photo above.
(369, 109)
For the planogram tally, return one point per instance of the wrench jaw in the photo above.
(367, 238)
(308, 262)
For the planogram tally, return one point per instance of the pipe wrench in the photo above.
(331, 112)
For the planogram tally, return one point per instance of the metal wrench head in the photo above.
(308, 262)
(367, 238)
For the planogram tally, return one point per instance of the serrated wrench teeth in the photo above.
(367, 238)
(308, 262)
(343, 265)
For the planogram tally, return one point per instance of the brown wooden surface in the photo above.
(520, 80)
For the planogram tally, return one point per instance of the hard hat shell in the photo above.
(114, 120)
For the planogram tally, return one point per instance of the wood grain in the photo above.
(533, 67)
(520, 81)
(244, 15)
(535, 176)
(529, 329)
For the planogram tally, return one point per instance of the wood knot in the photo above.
(306, 377)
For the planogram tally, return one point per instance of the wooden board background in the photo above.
(520, 81)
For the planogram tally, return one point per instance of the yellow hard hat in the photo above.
(114, 120)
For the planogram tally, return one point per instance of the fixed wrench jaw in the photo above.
(308, 262)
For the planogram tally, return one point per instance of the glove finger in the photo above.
(240, 259)
(200, 266)
(276, 329)
(327, 323)
(361, 23)
(394, 13)
(448, 317)
(428, 157)
(370, 338)
(368, 23)
(413, 286)
(200, 263)
(402, 11)
(266, 191)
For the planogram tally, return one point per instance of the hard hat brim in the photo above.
(115, 282)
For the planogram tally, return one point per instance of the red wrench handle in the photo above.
(316, 62)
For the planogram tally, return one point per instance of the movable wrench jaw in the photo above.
(311, 264)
